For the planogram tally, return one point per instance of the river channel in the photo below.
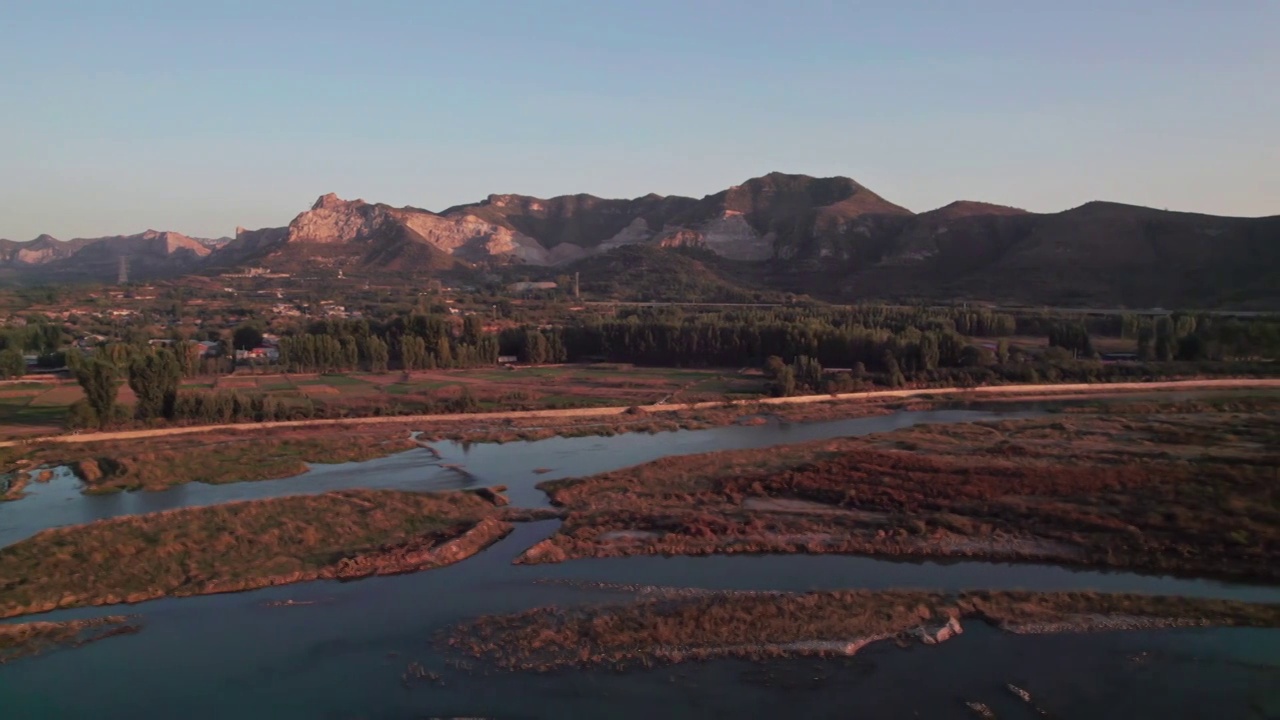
(341, 650)
(461, 465)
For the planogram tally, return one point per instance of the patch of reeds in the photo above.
(235, 546)
(760, 625)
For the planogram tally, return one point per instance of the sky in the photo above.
(124, 115)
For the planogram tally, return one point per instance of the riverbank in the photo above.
(214, 458)
(229, 454)
(1183, 488)
(759, 626)
(245, 545)
(970, 393)
(640, 421)
(24, 640)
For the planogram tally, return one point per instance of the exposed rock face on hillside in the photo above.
(761, 219)
(148, 253)
(376, 229)
(250, 245)
(44, 249)
(332, 220)
(830, 237)
(571, 226)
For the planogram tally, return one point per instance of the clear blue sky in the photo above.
(200, 116)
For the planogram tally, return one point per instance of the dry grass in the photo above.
(493, 389)
(239, 546)
(20, 640)
(1183, 493)
(216, 458)
(763, 625)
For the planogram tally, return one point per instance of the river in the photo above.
(461, 465)
(342, 655)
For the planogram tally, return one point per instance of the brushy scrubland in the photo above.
(1186, 488)
(764, 625)
(240, 546)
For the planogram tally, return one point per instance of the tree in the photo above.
(247, 337)
(1166, 340)
(98, 379)
(378, 355)
(75, 360)
(1192, 347)
(50, 339)
(784, 382)
(535, 347)
(807, 373)
(154, 379)
(189, 355)
(12, 364)
(975, 356)
(1074, 337)
(444, 353)
(1146, 338)
(773, 366)
(472, 329)
(894, 372)
(929, 352)
(413, 353)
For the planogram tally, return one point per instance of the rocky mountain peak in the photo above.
(833, 236)
(331, 201)
(334, 220)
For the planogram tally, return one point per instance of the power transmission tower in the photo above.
(123, 276)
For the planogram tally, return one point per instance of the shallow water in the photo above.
(60, 502)
(343, 655)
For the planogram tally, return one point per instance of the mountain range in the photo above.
(829, 237)
(150, 254)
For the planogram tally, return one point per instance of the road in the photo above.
(1040, 390)
(1146, 312)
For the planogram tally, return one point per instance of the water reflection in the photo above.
(459, 465)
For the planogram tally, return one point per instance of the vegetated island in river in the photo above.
(241, 454)
(20, 640)
(246, 545)
(215, 458)
(1184, 488)
(762, 625)
(245, 453)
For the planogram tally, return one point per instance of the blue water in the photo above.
(59, 502)
(343, 654)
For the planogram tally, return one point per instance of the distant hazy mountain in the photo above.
(148, 254)
(830, 237)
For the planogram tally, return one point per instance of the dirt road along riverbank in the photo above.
(975, 393)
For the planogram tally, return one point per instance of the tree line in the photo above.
(801, 349)
(414, 342)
